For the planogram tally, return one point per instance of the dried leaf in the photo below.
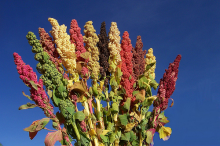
(150, 135)
(42, 123)
(78, 67)
(104, 132)
(92, 132)
(32, 127)
(27, 106)
(165, 132)
(78, 87)
(85, 55)
(172, 102)
(26, 95)
(129, 126)
(32, 134)
(50, 93)
(53, 137)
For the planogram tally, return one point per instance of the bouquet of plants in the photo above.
(111, 79)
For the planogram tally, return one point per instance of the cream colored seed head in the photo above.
(64, 47)
(114, 45)
(91, 39)
(150, 58)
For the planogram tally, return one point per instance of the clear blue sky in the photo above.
(187, 27)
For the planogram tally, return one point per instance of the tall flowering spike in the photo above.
(38, 96)
(91, 40)
(150, 58)
(167, 84)
(49, 47)
(114, 47)
(64, 47)
(127, 79)
(138, 58)
(76, 38)
(103, 52)
(51, 77)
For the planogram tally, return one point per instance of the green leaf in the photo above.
(143, 124)
(94, 89)
(110, 126)
(56, 100)
(71, 110)
(149, 101)
(123, 119)
(127, 104)
(42, 123)
(113, 81)
(144, 110)
(154, 84)
(79, 115)
(111, 94)
(104, 138)
(142, 82)
(149, 66)
(119, 72)
(164, 120)
(84, 139)
(126, 136)
(119, 98)
(27, 106)
(161, 115)
(112, 138)
(148, 114)
(34, 85)
(135, 143)
(61, 88)
(135, 92)
(134, 85)
(118, 75)
(133, 136)
(26, 95)
(114, 107)
(122, 91)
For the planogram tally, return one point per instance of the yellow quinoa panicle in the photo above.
(150, 58)
(64, 47)
(91, 39)
(114, 46)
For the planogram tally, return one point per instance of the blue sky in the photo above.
(187, 27)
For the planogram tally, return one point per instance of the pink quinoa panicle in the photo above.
(26, 74)
(49, 46)
(77, 39)
(83, 126)
(138, 58)
(127, 80)
(47, 43)
(167, 84)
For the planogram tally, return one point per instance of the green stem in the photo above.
(76, 130)
(98, 112)
(141, 139)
